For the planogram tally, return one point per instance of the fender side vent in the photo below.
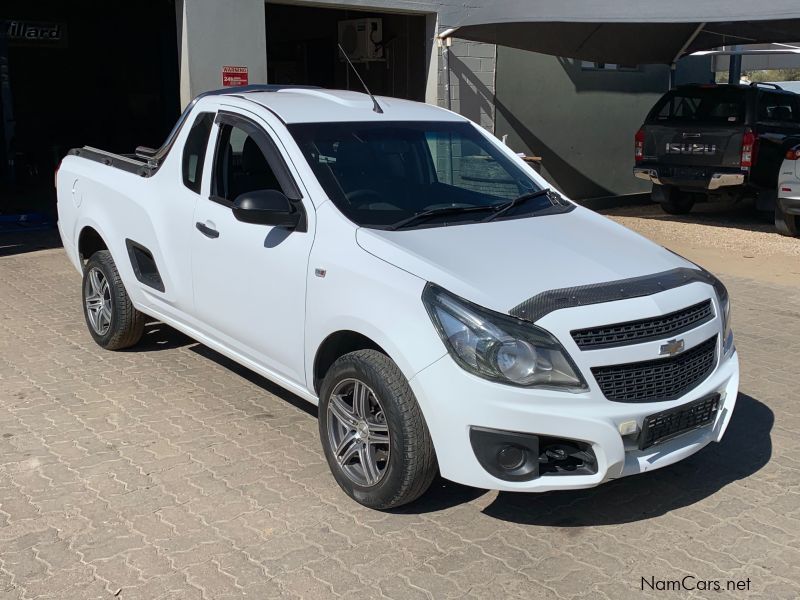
(144, 265)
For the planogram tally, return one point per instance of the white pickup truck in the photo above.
(393, 263)
(787, 214)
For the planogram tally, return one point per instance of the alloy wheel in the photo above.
(97, 298)
(358, 433)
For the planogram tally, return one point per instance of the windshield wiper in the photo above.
(502, 208)
(435, 212)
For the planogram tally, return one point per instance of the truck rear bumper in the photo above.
(713, 181)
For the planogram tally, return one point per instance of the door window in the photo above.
(240, 165)
(194, 151)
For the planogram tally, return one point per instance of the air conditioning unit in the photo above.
(362, 39)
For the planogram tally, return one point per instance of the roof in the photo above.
(627, 31)
(298, 104)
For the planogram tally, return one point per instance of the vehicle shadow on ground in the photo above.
(256, 379)
(12, 243)
(745, 449)
(158, 336)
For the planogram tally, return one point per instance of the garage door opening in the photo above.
(390, 50)
(79, 73)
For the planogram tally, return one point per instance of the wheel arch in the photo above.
(336, 345)
(89, 242)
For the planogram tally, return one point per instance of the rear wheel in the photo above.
(111, 317)
(786, 224)
(672, 200)
(373, 433)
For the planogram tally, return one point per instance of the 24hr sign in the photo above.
(233, 76)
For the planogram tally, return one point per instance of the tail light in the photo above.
(793, 153)
(749, 149)
(638, 146)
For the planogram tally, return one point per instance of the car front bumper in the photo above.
(455, 401)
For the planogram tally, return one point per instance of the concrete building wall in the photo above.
(581, 122)
(471, 80)
(213, 34)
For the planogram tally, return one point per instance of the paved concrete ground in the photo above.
(169, 472)
(722, 236)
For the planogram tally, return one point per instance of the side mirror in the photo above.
(266, 207)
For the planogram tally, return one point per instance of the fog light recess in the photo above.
(506, 455)
(514, 456)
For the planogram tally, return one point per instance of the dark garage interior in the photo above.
(60, 91)
(301, 49)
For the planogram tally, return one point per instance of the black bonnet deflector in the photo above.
(536, 307)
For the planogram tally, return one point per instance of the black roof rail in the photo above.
(254, 87)
(153, 159)
(774, 86)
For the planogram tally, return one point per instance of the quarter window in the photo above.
(194, 151)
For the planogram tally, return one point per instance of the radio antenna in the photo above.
(375, 106)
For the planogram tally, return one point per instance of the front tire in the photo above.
(110, 315)
(786, 224)
(373, 432)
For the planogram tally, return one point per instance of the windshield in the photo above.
(379, 174)
(707, 105)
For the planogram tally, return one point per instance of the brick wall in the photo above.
(472, 81)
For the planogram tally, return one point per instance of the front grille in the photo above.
(669, 424)
(636, 332)
(659, 379)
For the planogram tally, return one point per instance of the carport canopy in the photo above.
(628, 31)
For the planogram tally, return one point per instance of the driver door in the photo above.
(250, 280)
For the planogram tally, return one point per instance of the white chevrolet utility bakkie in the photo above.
(395, 264)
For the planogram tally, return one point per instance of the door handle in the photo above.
(207, 231)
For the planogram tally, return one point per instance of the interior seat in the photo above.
(255, 172)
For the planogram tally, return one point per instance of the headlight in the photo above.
(725, 306)
(499, 347)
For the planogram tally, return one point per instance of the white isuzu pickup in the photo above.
(395, 264)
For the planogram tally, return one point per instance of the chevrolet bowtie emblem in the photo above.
(672, 347)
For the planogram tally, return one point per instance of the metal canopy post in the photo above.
(735, 67)
(444, 41)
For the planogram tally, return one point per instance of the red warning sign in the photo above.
(233, 76)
